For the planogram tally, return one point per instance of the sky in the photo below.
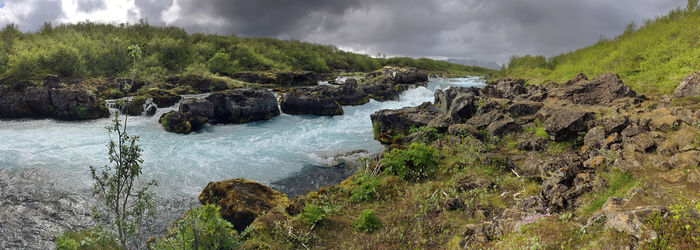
(483, 30)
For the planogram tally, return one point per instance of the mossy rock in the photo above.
(174, 121)
(242, 200)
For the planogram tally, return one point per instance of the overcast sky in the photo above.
(489, 30)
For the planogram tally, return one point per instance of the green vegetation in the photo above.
(679, 229)
(201, 228)
(367, 188)
(652, 58)
(117, 186)
(91, 50)
(367, 222)
(313, 214)
(416, 163)
(92, 239)
(538, 129)
(619, 184)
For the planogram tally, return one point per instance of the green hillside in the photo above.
(652, 58)
(87, 50)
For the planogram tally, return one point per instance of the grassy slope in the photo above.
(88, 50)
(652, 59)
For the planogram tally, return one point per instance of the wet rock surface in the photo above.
(35, 208)
(243, 105)
(41, 102)
(308, 102)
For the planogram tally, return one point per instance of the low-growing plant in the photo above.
(367, 188)
(202, 228)
(313, 214)
(96, 238)
(619, 184)
(679, 229)
(415, 163)
(367, 222)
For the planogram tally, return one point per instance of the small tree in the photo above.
(692, 5)
(135, 54)
(126, 200)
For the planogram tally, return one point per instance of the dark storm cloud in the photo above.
(89, 6)
(486, 30)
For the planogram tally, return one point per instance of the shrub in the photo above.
(679, 229)
(366, 189)
(96, 238)
(415, 163)
(220, 62)
(367, 222)
(201, 228)
(313, 214)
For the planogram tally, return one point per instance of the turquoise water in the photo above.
(263, 151)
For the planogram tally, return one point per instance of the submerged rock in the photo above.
(306, 102)
(390, 125)
(243, 105)
(241, 200)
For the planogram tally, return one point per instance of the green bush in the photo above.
(220, 63)
(367, 188)
(313, 214)
(205, 226)
(367, 222)
(96, 238)
(415, 163)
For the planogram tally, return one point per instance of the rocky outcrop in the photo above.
(61, 104)
(690, 86)
(564, 122)
(279, 78)
(604, 89)
(390, 125)
(459, 103)
(307, 102)
(344, 95)
(243, 105)
(175, 121)
(166, 101)
(380, 92)
(200, 83)
(510, 88)
(629, 221)
(241, 200)
(405, 75)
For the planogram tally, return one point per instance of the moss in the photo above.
(619, 184)
(80, 112)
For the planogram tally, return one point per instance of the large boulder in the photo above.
(344, 95)
(175, 121)
(459, 103)
(197, 112)
(510, 88)
(62, 104)
(165, 101)
(605, 89)
(564, 122)
(307, 102)
(690, 86)
(200, 83)
(243, 105)
(304, 78)
(629, 221)
(381, 91)
(241, 200)
(539, 168)
(405, 75)
(390, 125)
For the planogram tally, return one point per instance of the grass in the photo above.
(619, 184)
(652, 57)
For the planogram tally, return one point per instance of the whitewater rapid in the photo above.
(263, 151)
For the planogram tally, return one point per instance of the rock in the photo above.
(202, 84)
(689, 86)
(151, 110)
(52, 82)
(539, 168)
(462, 130)
(503, 126)
(629, 221)
(254, 77)
(76, 105)
(604, 89)
(475, 234)
(241, 200)
(166, 101)
(633, 130)
(469, 183)
(197, 107)
(615, 124)
(681, 141)
(564, 122)
(493, 104)
(489, 92)
(595, 138)
(459, 103)
(175, 121)
(304, 78)
(482, 121)
(296, 206)
(694, 176)
(577, 78)
(243, 105)
(442, 122)
(305, 102)
(405, 75)
(523, 108)
(641, 143)
(510, 88)
(390, 125)
(453, 204)
(134, 107)
(665, 123)
(561, 189)
(688, 159)
(380, 92)
(344, 95)
(350, 81)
